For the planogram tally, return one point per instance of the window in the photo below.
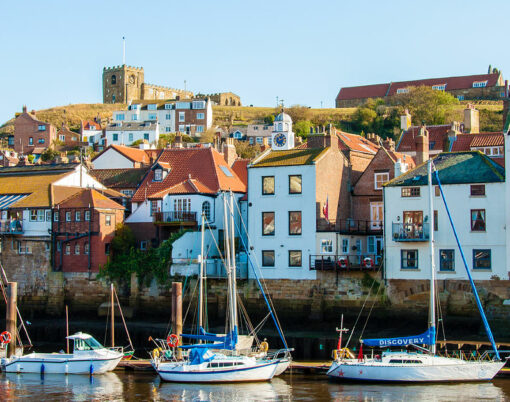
(87, 216)
(68, 216)
(115, 137)
(198, 104)
(345, 246)
(41, 140)
(181, 127)
(482, 259)
(113, 98)
(154, 207)
(181, 116)
(182, 105)
(268, 223)
(437, 191)
(477, 189)
(238, 135)
(260, 140)
(130, 137)
(168, 116)
(168, 106)
(77, 249)
(402, 90)
(24, 248)
(129, 193)
(153, 116)
(146, 136)
(410, 191)
(294, 222)
(86, 248)
(206, 210)
(326, 246)
(77, 216)
(460, 97)
(409, 259)
(478, 220)
(108, 220)
(62, 137)
(200, 116)
(268, 258)
(31, 141)
(107, 248)
(168, 129)
(114, 79)
(152, 106)
(250, 141)
(440, 87)
(68, 249)
(143, 244)
(134, 117)
(55, 216)
(48, 216)
(380, 179)
(33, 215)
(295, 258)
(371, 249)
(447, 260)
(10, 140)
(479, 84)
(120, 116)
(267, 185)
(41, 127)
(200, 129)
(295, 184)
(158, 174)
(37, 215)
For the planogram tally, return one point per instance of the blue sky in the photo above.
(53, 52)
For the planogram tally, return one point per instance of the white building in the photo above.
(126, 133)
(256, 133)
(474, 187)
(91, 132)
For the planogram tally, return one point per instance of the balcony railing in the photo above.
(13, 226)
(344, 262)
(176, 217)
(412, 232)
(351, 226)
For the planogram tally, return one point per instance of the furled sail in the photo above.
(227, 342)
(427, 338)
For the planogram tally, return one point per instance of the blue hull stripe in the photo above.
(216, 371)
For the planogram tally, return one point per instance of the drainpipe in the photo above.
(89, 240)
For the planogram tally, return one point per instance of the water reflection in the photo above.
(147, 386)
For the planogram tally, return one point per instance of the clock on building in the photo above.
(280, 139)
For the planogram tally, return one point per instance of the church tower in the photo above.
(282, 135)
(122, 84)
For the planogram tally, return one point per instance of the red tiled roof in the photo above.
(465, 142)
(437, 135)
(354, 142)
(205, 166)
(240, 167)
(381, 90)
(134, 154)
(89, 197)
(91, 125)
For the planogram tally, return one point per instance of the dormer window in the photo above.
(152, 106)
(479, 84)
(158, 174)
(439, 87)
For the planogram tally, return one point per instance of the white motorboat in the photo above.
(88, 357)
(424, 365)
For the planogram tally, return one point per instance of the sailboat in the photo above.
(423, 365)
(215, 358)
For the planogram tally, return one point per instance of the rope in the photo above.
(123, 320)
(370, 311)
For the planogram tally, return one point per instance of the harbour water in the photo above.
(147, 387)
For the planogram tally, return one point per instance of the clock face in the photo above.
(280, 139)
(132, 79)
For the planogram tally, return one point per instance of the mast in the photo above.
(227, 262)
(112, 312)
(201, 288)
(233, 258)
(432, 307)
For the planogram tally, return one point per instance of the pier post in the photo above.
(11, 316)
(177, 312)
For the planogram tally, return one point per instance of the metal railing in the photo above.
(351, 226)
(409, 232)
(175, 216)
(14, 226)
(344, 262)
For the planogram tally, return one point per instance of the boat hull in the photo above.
(61, 365)
(282, 366)
(172, 372)
(457, 372)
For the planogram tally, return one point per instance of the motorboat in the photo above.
(88, 357)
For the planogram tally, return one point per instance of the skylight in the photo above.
(227, 172)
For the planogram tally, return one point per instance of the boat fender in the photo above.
(155, 353)
(42, 369)
(172, 340)
(91, 371)
(264, 346)
(335, 354)
(5, 337)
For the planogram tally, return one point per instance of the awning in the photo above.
(6, 200)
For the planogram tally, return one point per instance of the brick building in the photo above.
(29, 133)
(482, 86)
(83, 228)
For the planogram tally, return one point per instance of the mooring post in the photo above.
(11, 316)
(177, 312)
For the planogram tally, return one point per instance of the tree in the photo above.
(302, 128)
(165, 139)
(427, 105)
(245, 150)
(123, 241)
(208, 136)
(298, 113)
(269, 119)
(49, 155)
(31, 158)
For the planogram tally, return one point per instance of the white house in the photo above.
(122, 157)
(126, 133)
(91, 132)
(474, 187)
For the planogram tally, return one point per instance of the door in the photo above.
(413, 223)
(376, 215)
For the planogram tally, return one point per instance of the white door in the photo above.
(376, 215)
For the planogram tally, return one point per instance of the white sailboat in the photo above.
(88, 357)
(423, 365)
(219, 361)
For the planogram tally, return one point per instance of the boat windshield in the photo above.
(87, 344)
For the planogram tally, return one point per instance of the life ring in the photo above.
(368, 263)
(5, 337)
(264, 346)
(342, 262)
(172, 340)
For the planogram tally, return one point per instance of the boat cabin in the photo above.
(85, 342)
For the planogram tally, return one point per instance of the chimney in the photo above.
(405, 120)
(400, 167)
(178, 142)
(453, 132)
(389, 144)
(265, 141)
(24, 108)
(316, 141)
(506, 88)
(229, 151)
(471, 119)
(330, 138)
(422, 146)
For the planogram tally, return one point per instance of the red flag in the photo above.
(325, 209)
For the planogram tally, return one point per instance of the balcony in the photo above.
(184, 218)
(351, 226)
(344, 262)
(11, 226)
(410, 232)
